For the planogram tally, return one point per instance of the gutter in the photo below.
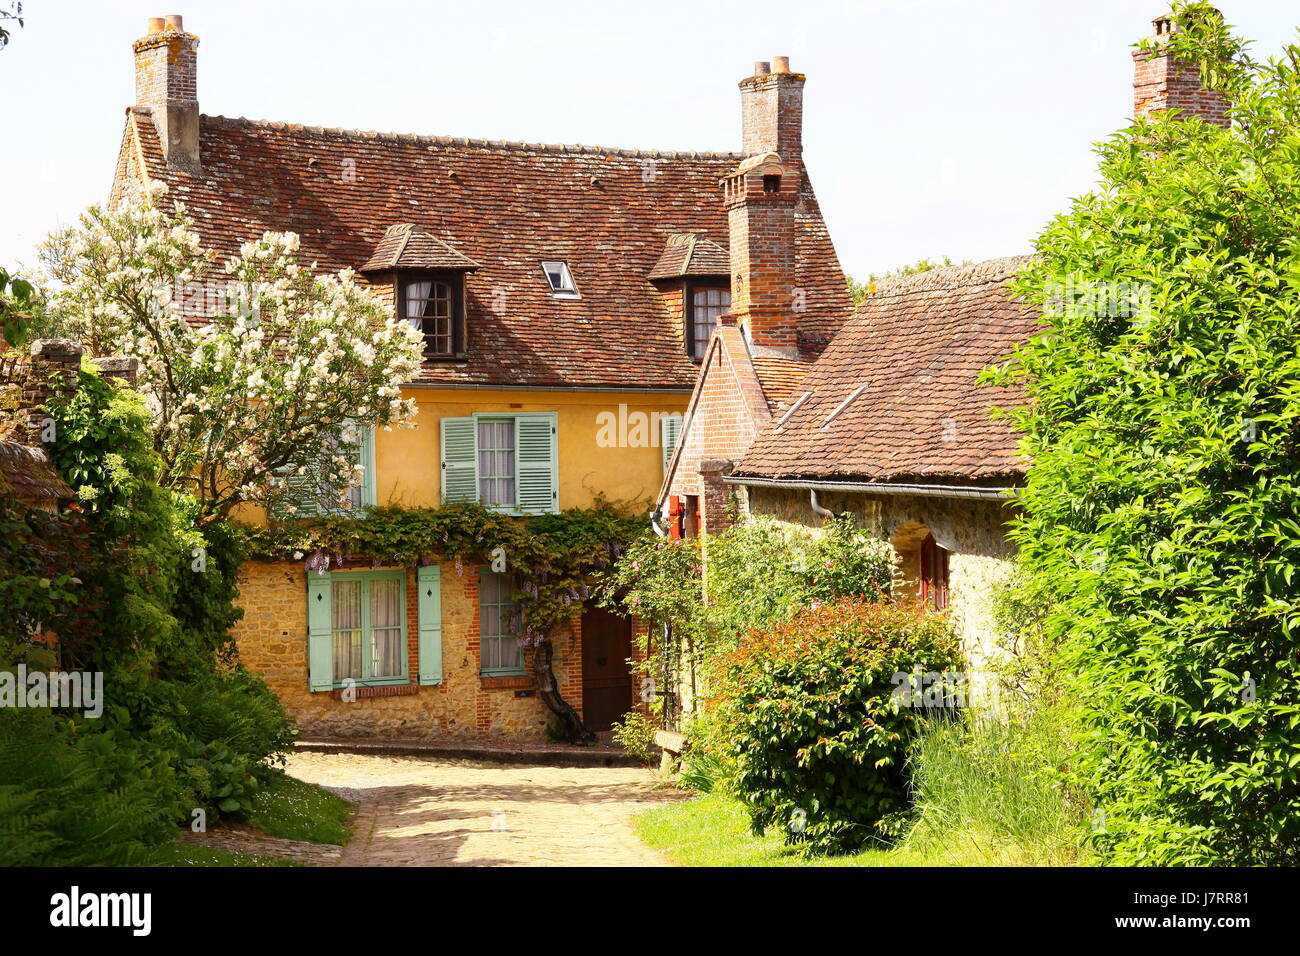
(875, 488)
(657, 390)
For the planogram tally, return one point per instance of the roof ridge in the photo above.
(951, 277)
(426, 140)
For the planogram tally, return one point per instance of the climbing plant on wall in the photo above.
(557, 561)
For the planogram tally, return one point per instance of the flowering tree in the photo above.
(256, 371)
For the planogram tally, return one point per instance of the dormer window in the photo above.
(428, 277)
(433, 304)
(560, 280)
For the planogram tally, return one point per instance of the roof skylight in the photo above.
(560, 280)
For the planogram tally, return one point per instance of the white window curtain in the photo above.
(385, 628)
(496, 463)
(417, 294)
(346, 609)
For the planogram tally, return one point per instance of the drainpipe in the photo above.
(816, 505)
(655, 514)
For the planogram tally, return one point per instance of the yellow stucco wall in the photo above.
(408, 460)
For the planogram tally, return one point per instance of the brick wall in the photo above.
(771, 108)
(725, 415)
(53, 369)
(272, 641)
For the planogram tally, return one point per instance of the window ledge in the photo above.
(505, 681)
(378, 690)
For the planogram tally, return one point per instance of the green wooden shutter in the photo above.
(537, 478)
(369, 495)
(429, 581)
(459, 460)
(320, 633)
(670, 430)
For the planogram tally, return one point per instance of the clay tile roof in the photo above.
(26, 475)
(686, 254)
(918, 343)
(780, 378)
(408, 246)
(508, 206)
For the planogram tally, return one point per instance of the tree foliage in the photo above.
(254, 372)
(1164, 427)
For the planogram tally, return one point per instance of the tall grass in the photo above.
(990, 791)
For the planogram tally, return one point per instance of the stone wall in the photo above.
(973, 531)
(272, 641)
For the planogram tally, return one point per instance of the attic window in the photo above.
(433, 303)
(560, 279)
(771, 184)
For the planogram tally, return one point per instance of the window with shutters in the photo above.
(934, 573)
(308, 494)
(499, 626)
(368, 627)
(506, 462)
(357, 628)
(704, 305)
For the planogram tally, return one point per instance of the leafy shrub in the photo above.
(183, 728)
(816, 746)
(635, 733)
(702, 770)
(760, 572)
(75, 794)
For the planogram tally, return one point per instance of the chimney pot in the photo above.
(155, 25)
(176, 22)
(780, 64)
(762, 68)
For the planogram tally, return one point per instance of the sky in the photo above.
(931, 127)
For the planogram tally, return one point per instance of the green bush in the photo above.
(129, 594)
(815, 745)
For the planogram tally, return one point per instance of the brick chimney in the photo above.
(1162, 83)
(760, 197)
(166, 83)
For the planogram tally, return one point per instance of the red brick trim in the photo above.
(386, 690)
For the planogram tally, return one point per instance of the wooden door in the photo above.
(606, 675)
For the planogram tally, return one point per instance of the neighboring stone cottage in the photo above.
(888, 423)
(557, 287)
(890, 426)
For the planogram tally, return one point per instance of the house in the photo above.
(566, 294)
(888, 423)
